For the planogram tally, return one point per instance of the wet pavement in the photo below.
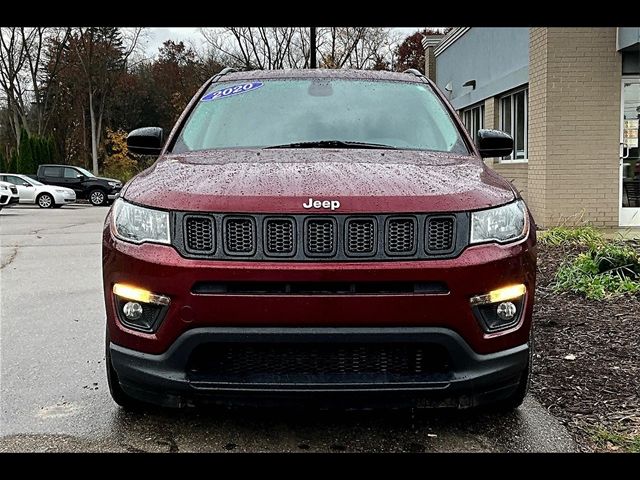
(54, 396)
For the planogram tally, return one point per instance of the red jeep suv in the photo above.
(319, 236)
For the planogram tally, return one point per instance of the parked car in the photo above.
(98, 190)
(33, 191)
(319, 236)
(8, 194)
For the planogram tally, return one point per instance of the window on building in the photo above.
(514, 119)
(473, 119)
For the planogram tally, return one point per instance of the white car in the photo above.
(8, 194)
(33, 191)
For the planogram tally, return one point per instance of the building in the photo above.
(570, 97)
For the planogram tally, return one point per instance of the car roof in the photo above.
(307, 73)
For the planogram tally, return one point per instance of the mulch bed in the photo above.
(600, 389)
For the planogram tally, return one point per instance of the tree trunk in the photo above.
(94, 136)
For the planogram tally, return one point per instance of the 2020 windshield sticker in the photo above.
(231, 91)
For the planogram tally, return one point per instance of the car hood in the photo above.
(281, 180)
(105, 179)
(49, 188)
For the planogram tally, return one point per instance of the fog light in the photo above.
(500, 295)
(506, 310)
(139, 294)
(133, 310)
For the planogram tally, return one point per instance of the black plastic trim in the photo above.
(461, 239)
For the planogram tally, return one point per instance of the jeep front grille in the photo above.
(279, 236)
(199, 233)
(239, 235)
(440, 233)
(320, 237)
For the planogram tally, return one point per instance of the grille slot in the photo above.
(319, 288)
(320, 237)
(400, 238)
(279, 237)
(360, 237)
(199, 233)
(440, 234)
(259, 360)
(239, 236)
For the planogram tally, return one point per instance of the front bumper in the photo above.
(14, 199)
(470, 379)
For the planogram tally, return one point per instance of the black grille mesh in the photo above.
(239, 235)
(320, 237)
(316, 359)
(280, 236)
(311, 237)
(199, 232)
(400, 238)
(440, 234)
(361, 236)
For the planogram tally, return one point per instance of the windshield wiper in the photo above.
(333, 144)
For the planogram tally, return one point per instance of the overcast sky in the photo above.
(156, 36)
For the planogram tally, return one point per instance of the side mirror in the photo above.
(79, 176)
(494, 143)
(146, 141)
(26, 184)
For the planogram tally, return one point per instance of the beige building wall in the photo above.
(574, 122)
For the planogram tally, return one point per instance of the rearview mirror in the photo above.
(494, 143)
(146, 141)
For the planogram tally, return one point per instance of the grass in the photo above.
(616, 441)
(557, 236)
(606, 269)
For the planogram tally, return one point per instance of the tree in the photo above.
(25, 154)
(102, 55)
(410, 53)
(288, 47)
(12, 80)
(119, 163)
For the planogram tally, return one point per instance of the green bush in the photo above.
(606, 269)
(557, 236)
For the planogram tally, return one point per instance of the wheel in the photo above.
(117, 393)
(45, 200)
(97, 197)
(516, 398)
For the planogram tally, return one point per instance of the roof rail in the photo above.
(222, 72)
(226, 70)
(413, 71)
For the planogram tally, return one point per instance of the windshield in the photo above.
(32, 181)
(320, 112)
(86, 173)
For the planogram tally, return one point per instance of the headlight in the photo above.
(139, 224)
(60, 190)
(502, 224)
(4, 187)
(113, 184)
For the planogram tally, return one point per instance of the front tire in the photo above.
(513, 401)
(97, 197)
(45, 200)
(119, 396)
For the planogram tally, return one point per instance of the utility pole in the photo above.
(313, 48)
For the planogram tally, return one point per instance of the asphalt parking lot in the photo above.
(54, 396)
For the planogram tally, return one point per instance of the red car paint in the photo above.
(279, 182)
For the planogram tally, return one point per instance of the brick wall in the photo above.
(518, 174)
(574, 122)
